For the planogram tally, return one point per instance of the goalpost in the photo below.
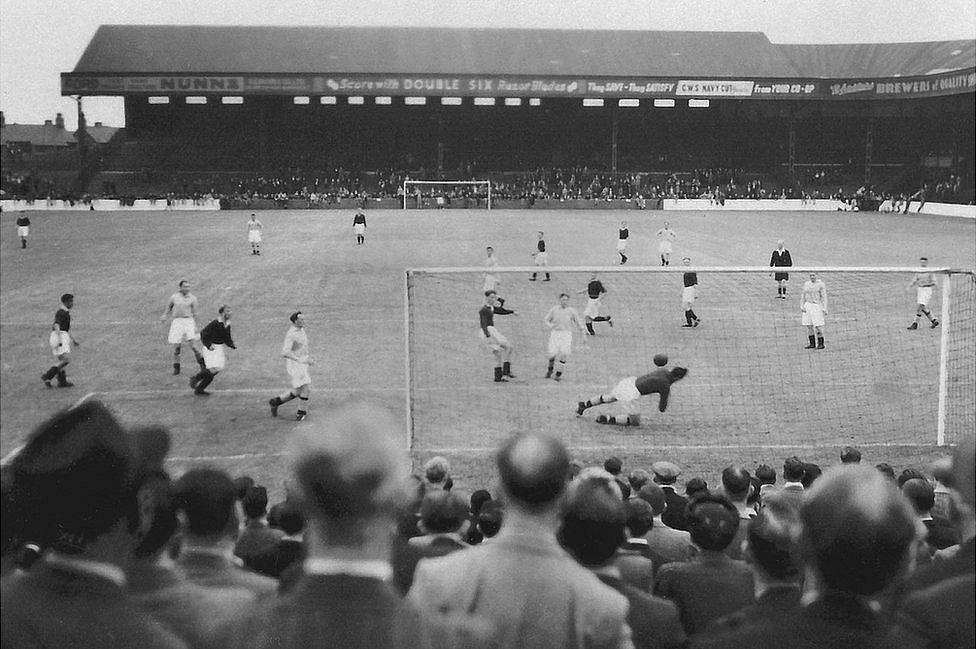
(751, 381)
(446, 193)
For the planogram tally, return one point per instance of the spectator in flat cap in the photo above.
(437, 473)
(711, 584)
(939, 532)
(256, 536)
(666, 474)
(664, 544)
(522, 588)
(78, 477)
(193, 612)
(206, 499)
(613, 465)
(442, 516)
(349, 472)
(634, 558)
(736, 487)
(593, 527)
(772, 555)
(850, 455)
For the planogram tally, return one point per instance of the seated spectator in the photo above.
(772, 555)
(666, 474)
(192, 612)
(664, 544)
(592, 530)
(940, 533)
(696, 487)
(490, 519)
(74, 489)
(522, 589)
(442, 516)
(736, 486)
(437, 473)
(711, 585)
(634, 558)
(284, 558)
(348, 471)
(850, 455)
(255, 538)
(207, 499)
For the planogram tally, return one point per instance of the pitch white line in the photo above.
(215, 458)
(276, 388)
(629, 447)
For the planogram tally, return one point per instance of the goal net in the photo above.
(751, 380)
(444, 194)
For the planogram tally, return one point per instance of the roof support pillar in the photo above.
(614, 127)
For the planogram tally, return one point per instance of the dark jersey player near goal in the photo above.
(498, 344)
(629, 390)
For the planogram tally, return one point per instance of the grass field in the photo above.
(123, 267)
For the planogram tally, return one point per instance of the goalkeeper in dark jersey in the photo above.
(628, 390)
(498, 344)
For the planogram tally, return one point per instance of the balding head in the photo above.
(349, 469)
(534, 469)
(857, 530)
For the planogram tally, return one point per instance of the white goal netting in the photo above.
(751, 381)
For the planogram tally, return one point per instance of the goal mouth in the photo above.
(444, 194)
(752, 381)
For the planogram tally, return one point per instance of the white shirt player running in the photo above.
(296, 345)
(562, 320)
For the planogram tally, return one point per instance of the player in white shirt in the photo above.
(561, 319)
(254, 228)
(666, 236)
(182, 306)
(297, 361)
(491, 280)
(923, 283)
(813, 306)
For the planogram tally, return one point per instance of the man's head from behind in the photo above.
(437, 470)
(442, 512)
(207, 499)
(920, 494)
(736, 483)
(534, 470)
(771, 540)
(857, 530)
(793, 469)
(653, 495)
(712, 521)
(850, 455)
(349, 473)
(255, 502)
(594, 522)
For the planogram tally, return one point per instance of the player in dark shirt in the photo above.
(214, 337)
(61, 341)
(595, 290)
(500, 348)
(541, 256)
(622, 235)
(781, 259)
(688, 296)
(359, 227)
(628, 390)
(23, 228)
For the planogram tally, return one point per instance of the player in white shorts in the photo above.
(254, 228)
(297, 361)
(498, 344)
(813, 307)
(23, 228)
(60, 341)
(359, 226)
(595, 290)
(491, 279)
(214, 337)
(541, 257)
(688, 296)
(622, 235)
(561, 319)
(666, 236)
(182, 306)
(923, 283)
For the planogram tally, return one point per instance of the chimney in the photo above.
(47, 122)
(59, 121)
(98, 123)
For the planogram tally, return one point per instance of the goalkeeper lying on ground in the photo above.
(628, 390)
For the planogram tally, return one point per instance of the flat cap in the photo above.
(667, 470)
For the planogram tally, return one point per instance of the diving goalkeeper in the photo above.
(628, 390)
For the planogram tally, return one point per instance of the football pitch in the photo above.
(122, 268)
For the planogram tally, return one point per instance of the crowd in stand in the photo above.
(103, 548)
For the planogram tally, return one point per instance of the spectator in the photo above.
(283, 559)
(490, 519)
(811, 472)
(207, 498)
(664, 544)
(886, 470)
(666, 474)
(711, 585)
(348, 473)
(940, 533)
(624, 486)
(772, 556)
(593, 528)
(637, 479)
(910, 474)
(522, 588)
(696, 487)
(442, 515)
(74, 486)
(241, 485)
(192, 612)
(613, 465)
(634, 559)
(736, 486)
(793, 490)
(850, 455)
(478, 499)
(256, 538)
(437, 473)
